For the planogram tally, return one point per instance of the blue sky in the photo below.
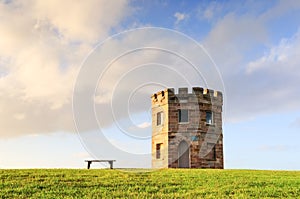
(255, 45)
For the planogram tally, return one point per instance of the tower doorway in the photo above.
(183, 155)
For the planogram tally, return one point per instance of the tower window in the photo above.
(183, 115)
(158, 151)
(159, 118)
(209, 117)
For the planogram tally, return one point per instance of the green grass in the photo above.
(167, 183)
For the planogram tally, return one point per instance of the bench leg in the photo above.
(111, 164)
(89, 164)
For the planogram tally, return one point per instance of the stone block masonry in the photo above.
(187, 129)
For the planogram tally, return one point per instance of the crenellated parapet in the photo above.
(187, 128)
(198, 93)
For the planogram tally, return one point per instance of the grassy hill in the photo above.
(167, 183)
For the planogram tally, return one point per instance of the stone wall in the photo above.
(205, 140)
(160, 133)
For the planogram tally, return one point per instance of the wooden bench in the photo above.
(109, 161)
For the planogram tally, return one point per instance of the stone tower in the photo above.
(187, 129)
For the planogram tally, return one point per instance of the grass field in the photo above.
(168, 183)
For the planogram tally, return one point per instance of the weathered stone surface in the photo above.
(204, 152)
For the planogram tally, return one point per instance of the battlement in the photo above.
(188, 118)
(198, 92)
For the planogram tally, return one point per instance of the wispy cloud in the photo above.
(180, 17)
(42, 45)
(210, 11)
(144, 125)
(283, 58)
(258, 83)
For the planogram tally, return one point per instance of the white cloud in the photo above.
(144, 125)
(281, 8)
(42, 44)
(225, 39)
(41, 64)
(180, 17)
(283, 58)
(255, 86)
(126, 85)
(209, 12)
(41, 48)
